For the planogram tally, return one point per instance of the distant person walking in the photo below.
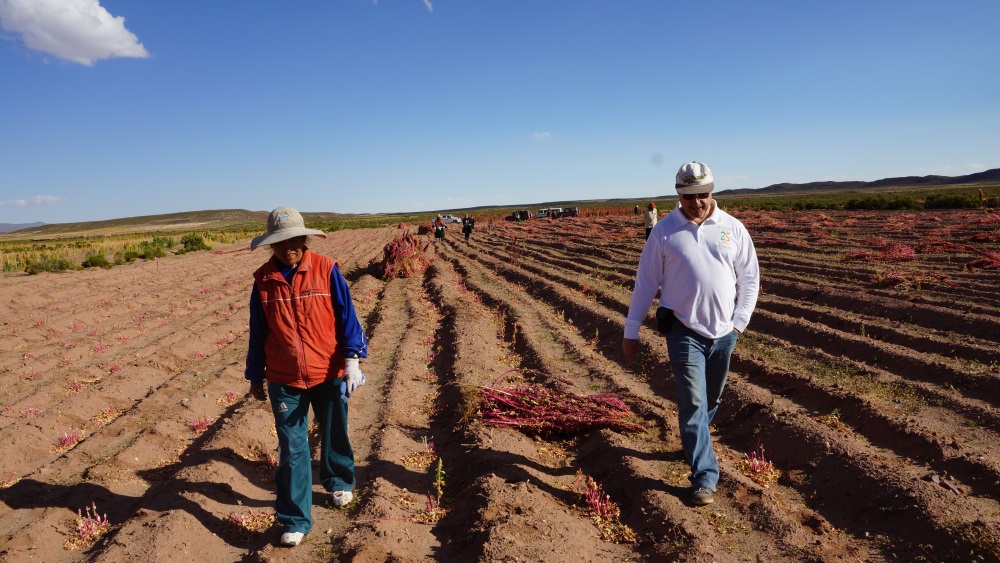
(704, 264)
(650, 218)
(306, 343)
(468, 223)
(982, 197)
(439, 227)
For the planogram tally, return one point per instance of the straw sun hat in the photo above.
(282, 224)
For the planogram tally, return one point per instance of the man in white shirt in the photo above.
(704, 264)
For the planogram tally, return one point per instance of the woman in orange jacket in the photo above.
(306, 342)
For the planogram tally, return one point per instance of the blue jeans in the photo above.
(701, 366)
(293, 479)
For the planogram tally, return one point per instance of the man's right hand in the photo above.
(258, 391)
(630, 347)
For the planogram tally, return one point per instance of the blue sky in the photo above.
(122, 108)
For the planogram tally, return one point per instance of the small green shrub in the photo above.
(49, 264)
(150, 251)
(193, 242)
(163, 242)
(12, 266)
(96, 261)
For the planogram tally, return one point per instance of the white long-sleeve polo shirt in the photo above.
(707, 274)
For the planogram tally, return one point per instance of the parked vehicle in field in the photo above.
(570, 212)
(518, 215)
(449, 219)
(549, 212)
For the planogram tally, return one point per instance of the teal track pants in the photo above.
(293, 479)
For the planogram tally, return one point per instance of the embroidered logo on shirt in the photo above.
(725, 237)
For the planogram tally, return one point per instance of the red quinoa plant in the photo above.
(535, 409)
(90, 526)
(603, 511)
(404, 257)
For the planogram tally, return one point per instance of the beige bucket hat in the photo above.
(282, 224)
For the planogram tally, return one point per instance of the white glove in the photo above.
(353, 378)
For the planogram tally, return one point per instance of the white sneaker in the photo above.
(342, 498)
(292, 538)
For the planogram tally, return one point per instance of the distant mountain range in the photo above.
(987, 177)
(9, 227)
(254, 220)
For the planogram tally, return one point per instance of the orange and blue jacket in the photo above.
(302, 323)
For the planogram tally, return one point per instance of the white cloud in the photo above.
(34, 200)
(541, 135)
(81, 31)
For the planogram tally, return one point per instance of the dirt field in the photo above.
(869, 375)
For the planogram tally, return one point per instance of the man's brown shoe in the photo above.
(702, 496)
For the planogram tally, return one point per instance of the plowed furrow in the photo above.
(106, 372)
(967, 289)
(910, 364)
(115, 466)
(400, 426)
(933, 317)
(593, 288)
(937, 342)
(884, 410)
